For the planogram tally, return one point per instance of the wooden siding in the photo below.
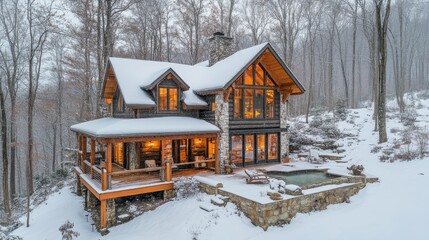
(208, 114)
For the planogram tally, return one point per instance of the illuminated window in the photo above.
(238, 103)
(269, 104)
(248, 76)
(213, 106)
(261, 147)
(259, 103)
(272, 147)
(119, 154)
(173, 98)
(162, 99)
(259, 75)
(168, 99)
(249, 156)
(248, 103)
(270, 82)
(237, 149)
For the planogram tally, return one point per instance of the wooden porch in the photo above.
(106, 180)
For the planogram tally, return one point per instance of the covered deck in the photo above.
(126, 157)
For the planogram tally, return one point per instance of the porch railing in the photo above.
(105, 179)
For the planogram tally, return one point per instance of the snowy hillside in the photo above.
(394, 208)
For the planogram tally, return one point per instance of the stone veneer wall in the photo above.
(284, 137)
(222, 121)
(220, 47)
(282, 212)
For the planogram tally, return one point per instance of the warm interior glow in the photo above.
(109, 100)
(119, 153)
(269, 104)
(173, 98)
(238, 97)
(162, 99)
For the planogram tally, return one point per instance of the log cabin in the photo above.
(167, 120)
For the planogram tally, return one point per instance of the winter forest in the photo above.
(53, 55)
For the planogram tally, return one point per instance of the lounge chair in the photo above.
(150, 163)
(198, 163)
(256, 176)
(313, 157)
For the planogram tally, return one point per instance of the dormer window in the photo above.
(168, 99)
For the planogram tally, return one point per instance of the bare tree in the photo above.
(255, 13)
(11, 20)
(288, 15)
(382, 13)
(39, 20)
(312, 15)
(6, 193)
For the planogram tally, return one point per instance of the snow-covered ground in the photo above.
(395, 208)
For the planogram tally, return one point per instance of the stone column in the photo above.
(110, 212)
(132, 155)
(91, 201)
(284, 136)
(78, 186)
(222, 121)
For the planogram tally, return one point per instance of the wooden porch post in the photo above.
(92, 157)
(217, 156)
(167, 170)
(103, 222)
(79, 149)
(109, 157)
(108, 164)
(84, 148)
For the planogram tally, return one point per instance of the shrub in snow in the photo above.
(67, 231)
(422, 140)
(376, 149)
(340, 109)
(409, 117)
(356, 169)
(8, 237)
(186, 187)
(277, 185)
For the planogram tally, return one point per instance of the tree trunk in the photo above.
(6, 193)
(382, 25)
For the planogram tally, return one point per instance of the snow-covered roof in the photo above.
(133, 75)
(158, 126)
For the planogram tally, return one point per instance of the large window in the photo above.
(261, 147)
(259, 103)
(238, 103)
(269, 103)
(249, 149)
(237, 149)
(254, 148)
(168, 99)
(254, 96)
(119, 153)
(248, 103)
(273, 150)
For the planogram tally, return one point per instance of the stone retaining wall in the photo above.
(282, 212)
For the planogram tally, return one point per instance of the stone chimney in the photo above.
(220, 47)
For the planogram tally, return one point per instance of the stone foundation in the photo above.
(282, 212)
(91, 201)
(110, 212)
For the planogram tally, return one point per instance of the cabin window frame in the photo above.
(254, 88)
(168, 98)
